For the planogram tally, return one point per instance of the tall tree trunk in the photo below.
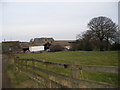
(101, 45)
(107, 45)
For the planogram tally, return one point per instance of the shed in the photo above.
(36, 48)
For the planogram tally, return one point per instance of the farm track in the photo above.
(5, 78)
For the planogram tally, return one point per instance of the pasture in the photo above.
(107, 58)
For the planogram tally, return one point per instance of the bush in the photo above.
(84, 45)
(55, 48)
(115, 46)
(74, 47)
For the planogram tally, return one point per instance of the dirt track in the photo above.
(5, 78)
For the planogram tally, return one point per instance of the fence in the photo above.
(55, 80)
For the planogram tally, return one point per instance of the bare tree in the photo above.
(84, 41)
(116, 44)
(102, 29)
(117, 36)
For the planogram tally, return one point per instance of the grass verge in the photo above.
(18, 79)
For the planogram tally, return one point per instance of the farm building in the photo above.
(36, 44)
(47, 42)
(67, 44)
(62, 43)
(36, 48)
(41, 41)
(30, 47)
(10, 46)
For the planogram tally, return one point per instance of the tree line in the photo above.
(103, 34)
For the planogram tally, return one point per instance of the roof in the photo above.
(26, 44)
(41, 39)
(64, 43)
(40, 44)
(10, 42)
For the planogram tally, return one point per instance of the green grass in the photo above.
(106, 58)
(101, 77)
(18, 79)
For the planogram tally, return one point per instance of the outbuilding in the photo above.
(36, 48)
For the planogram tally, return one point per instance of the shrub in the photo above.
(115, 46)
(55, 48)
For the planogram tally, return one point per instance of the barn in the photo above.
(10, 46)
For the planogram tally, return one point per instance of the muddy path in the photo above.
(5, 77)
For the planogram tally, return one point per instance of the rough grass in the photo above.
(106, 58)
(18, 79)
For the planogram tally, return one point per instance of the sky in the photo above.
(60, 20)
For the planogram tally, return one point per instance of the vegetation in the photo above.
(18, 79)
(102, 33)
(82, 58)
(107, 58)
(55, 48)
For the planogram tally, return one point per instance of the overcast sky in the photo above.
(60, 20)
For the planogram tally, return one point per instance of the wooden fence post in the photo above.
(81, 73)
(26, 64)
(75, 72)
(16, 62)
(47, 82)
(74, 75)
(20, 65)
(33, 64)
(24, 67)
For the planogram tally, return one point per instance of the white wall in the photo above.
(36, 48)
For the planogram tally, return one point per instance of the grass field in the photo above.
(106, 58)
(18, 79)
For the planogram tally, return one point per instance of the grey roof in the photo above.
(40, 44)
(63, 44)
(41, 39)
